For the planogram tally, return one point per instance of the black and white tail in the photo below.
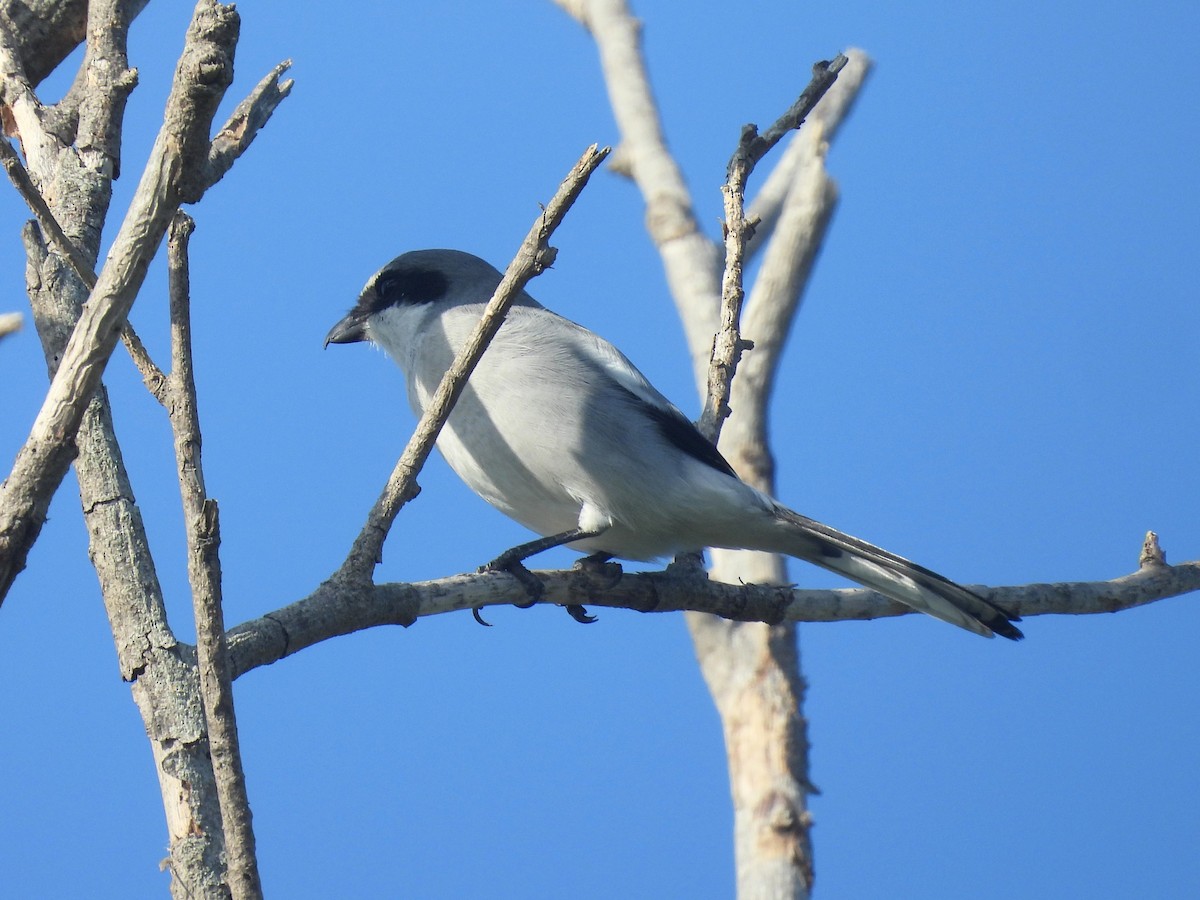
(893, 576)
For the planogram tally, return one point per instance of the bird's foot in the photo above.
(599, 570)
(592, 566)
(599, 574)
(511, 563)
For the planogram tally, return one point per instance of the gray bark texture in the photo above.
(72, 152)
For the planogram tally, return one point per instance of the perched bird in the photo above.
(557, 429)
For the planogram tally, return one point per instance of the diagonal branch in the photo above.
(827, 118)
(532, 258)
(23, 113)
(62, 245)
(244, 124)
(246, 121)
(754, 146)
(55, 236)
(728, 344)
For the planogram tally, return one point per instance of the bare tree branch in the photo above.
(165, 684)
(164, 673)
(691, 260)
(752, 671)
(177, 172)
(728, 344)
(58, 240)
(23, 111)
(532, 258)
(825, 119)
(46, 31)
(163, 676)
(773, 849)
(202, 526)
(328, 614)
(246, 121)
(799, 198)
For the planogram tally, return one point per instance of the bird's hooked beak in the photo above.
(350, 330)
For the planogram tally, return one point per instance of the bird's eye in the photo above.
(384, 286)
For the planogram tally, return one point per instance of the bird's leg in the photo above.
(509, 558)
(512, 562)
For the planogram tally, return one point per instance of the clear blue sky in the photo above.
(994, 373)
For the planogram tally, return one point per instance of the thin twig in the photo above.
(728, 344)
(10, 323)
(151, 374)
(774, 299)
(534, 256)
(202, 526)
(833, 110)
(754, 146)
(55, 236)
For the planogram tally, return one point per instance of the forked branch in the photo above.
(178, 171)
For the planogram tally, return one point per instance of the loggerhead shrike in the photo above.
(557, 429)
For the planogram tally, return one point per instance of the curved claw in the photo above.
(579, 614)
(479, 616)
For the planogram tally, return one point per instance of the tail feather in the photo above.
(895, 577)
